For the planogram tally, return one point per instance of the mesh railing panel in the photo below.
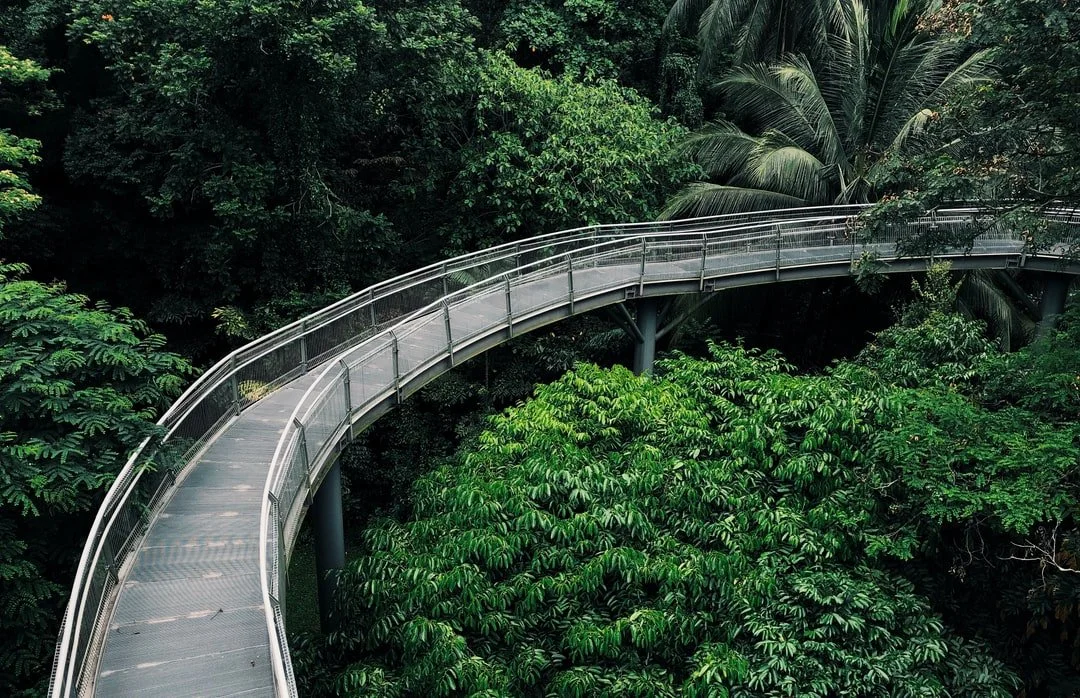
(420, 340)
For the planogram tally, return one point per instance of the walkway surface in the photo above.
(189, 618)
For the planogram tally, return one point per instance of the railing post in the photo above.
(641, 278)
(304, 454)
(280, 571)
(303, 346)
(371, 308)
(283, 567)
(397, 370)
(509, 308)
(445, 281)
(778, 239)
(235, 387)
(449, 336)
(347, 382)
(110, 561)
(704, 253)
(570, 280)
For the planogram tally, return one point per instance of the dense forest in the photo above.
(828, 488)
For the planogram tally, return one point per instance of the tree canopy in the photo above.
(19, 80)
(721, 530)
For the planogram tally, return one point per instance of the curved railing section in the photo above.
(366, 331)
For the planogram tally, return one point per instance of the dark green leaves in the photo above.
(80, 387)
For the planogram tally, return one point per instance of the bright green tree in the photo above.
(984, 483)
(704, 534)
(534, 154)
(80, 387)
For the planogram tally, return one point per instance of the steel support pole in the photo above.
(1053, 301)
(645, 349)
(449, 331)
(234, 386)
(329, 528)
(509, 307)
(570, 281)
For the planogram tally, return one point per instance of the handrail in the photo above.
(373, 315)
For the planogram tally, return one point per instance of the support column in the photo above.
(645, 349)
(1053, 301)
(329, 542)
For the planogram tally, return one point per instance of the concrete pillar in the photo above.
(645, 349)
(329, 542)
(1053, 301)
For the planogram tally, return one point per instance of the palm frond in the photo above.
(716, 27)
(779, 164)
(845, 80)
(721, 148)
(855, 190)
(705, 199)
(683, 15)
(974, 69)
(981, 297)
(758, 24)
(823, 124)
(784, 96)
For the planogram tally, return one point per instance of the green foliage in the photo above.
(1042, 377)
(596, 38)
(821, 126)
(18, 78)
(932, 345)
(867, 270)
(80, 387)
(451, 411)
(982, 496)
(224, 129)
(698, 534)
(959, 462)
(536, 154)
(1014, 138)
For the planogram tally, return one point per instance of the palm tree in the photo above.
(751, 30)
(822, 127)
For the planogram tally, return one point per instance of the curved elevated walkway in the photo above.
(180, 588)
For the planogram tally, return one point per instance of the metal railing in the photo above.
(388, 334)
(632, 260)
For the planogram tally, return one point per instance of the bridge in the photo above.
(180, 589)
